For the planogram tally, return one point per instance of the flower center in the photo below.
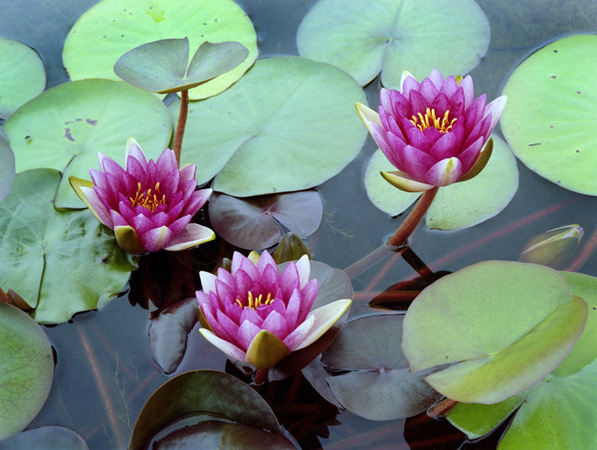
(430, 120)
(148, 199)
(256, 302)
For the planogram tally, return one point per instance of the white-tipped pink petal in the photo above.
(156, 239)
(406, 74)
(446, 171)
(295, 339)
(133, 149)
(97, 207)
(324, 318)
(192, 235)
(303, 268)
(208, 281)
(229, 349)
(495, 108)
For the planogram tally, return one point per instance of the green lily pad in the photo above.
(374, 380)
(7, 168)
(555, 137)
(66, 127)
(22, 76)
(364, 37)
(26, 369)
(459, 205)
(161, 66)
(118, 26)
(60, 263)
(202, 392)
(502, 325)
(45, 437)
(570, 386)
(287, 125)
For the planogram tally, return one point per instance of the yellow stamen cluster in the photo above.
(255, 303)
(148, 199)
(430, 120)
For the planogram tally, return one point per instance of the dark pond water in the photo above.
(104, 372)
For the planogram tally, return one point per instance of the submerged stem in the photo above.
(260, 376)
(180, 126)
(399, 238)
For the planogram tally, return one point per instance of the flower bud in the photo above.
(554, 248)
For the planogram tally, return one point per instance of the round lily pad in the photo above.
(558, 411)
(289, 124)
(555, 136)
(117, 26)
(364, 37)
(202, 392)
(459, 205)
(26, 369)
(44, 437)
(66, 127)
(253, 223)
(502, 325)
(22, 76)
(7, 168)
(163, 66)
(61, 263)
(374, 380)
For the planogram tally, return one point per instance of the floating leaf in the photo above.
(26, 369)
(44, 437)
(7, 168)
(22, 76)
(287, 125)
(462, 205)
(60, 263)
(502, 325)
(169, 330)
(570, 386)
(161, 66)
(66, 127)
(375, 381)
(222, 435)
(252, 223)
(555, 137)
(118, 26)
(459, 205)
(202, 392)
(364, 38)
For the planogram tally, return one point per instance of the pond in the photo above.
(105, 370)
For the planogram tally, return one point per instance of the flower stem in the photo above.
(182, 121)
(260, 376)
(399, 238)
(441, 408)
(407, 227)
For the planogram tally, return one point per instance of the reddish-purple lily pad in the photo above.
(202, 393)
(254, 223)
(168, 333)
(374, 380)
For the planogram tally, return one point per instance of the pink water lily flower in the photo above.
(433, 132)
(258, 315)
(148, 204)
